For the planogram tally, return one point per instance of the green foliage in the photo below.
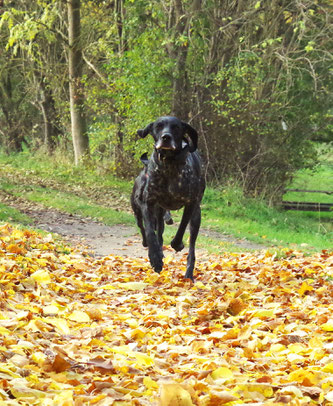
(260, 152)
(239, 69)
(138, 90)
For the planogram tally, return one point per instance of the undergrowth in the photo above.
(84, 191)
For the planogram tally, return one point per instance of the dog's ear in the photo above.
(147, 130)
(193, 135)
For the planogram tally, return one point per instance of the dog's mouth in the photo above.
(166, 146)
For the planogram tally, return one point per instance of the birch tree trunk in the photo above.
(78, 119)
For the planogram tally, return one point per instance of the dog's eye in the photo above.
(174, 127)
(159, 126)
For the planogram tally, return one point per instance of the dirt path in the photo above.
(102, 240)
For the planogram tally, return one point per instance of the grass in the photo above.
(14, 216)
(80, 191)
(320, 178)
(61, 171)
(228, 210)
(68, 203)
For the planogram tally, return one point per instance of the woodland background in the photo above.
(77, 79)
(254, 77)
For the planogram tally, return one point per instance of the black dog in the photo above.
(171, 179)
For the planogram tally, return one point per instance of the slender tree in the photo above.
(78, 119)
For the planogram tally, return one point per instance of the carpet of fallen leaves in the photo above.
(253, 329)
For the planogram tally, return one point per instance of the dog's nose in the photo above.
(166, 137)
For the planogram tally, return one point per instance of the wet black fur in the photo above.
(171, 179)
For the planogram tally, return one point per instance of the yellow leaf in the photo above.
(6, 370)
(138, 333)
(315, 343)
(277, 348)
(305, 288)
(65, 398)
(132, 323)
(98, 398)
(32, 325)
(294, 358)
(200, 285)
(222, 373)
(4, 331)
(327, 326)
(263, 388)
(41, 276)
(297, 348)
(168, 259)
(121, 349)
(50, 310)
(143, 359)
(38, 357)
(328, 368)
(19, 391)
(304, 377)
(149, 383)
(95, 314)
(219, 398)
(264, 313)
(61, 325)
(293, 390)
(173, 394)
(132, 285)
(79, 316)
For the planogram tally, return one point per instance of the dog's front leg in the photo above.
(155, 252)
(160, 225)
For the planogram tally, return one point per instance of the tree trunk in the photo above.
(180, 104)
(46, 104)
(78, 119)
(180, 22)
(12, 130)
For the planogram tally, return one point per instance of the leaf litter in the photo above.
(253, 328)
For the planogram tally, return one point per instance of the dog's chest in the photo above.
(173, 190)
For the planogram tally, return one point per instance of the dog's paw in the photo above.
(157, 263)
(177, 246)
(158, 267)
(189, 275)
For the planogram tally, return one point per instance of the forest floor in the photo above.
(90, 323)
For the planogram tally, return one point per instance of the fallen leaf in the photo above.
(174, 395)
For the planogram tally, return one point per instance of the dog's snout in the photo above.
(166, 137)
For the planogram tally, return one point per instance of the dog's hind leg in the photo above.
(177, 242)
(194, 230)
(160, 214)
(142, 229)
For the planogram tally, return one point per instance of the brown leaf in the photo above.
(60, 364)
(102, 365)
(236, 306)
(220, 398)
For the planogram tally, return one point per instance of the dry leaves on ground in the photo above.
(253, 329)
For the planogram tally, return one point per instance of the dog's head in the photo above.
(171, 134)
